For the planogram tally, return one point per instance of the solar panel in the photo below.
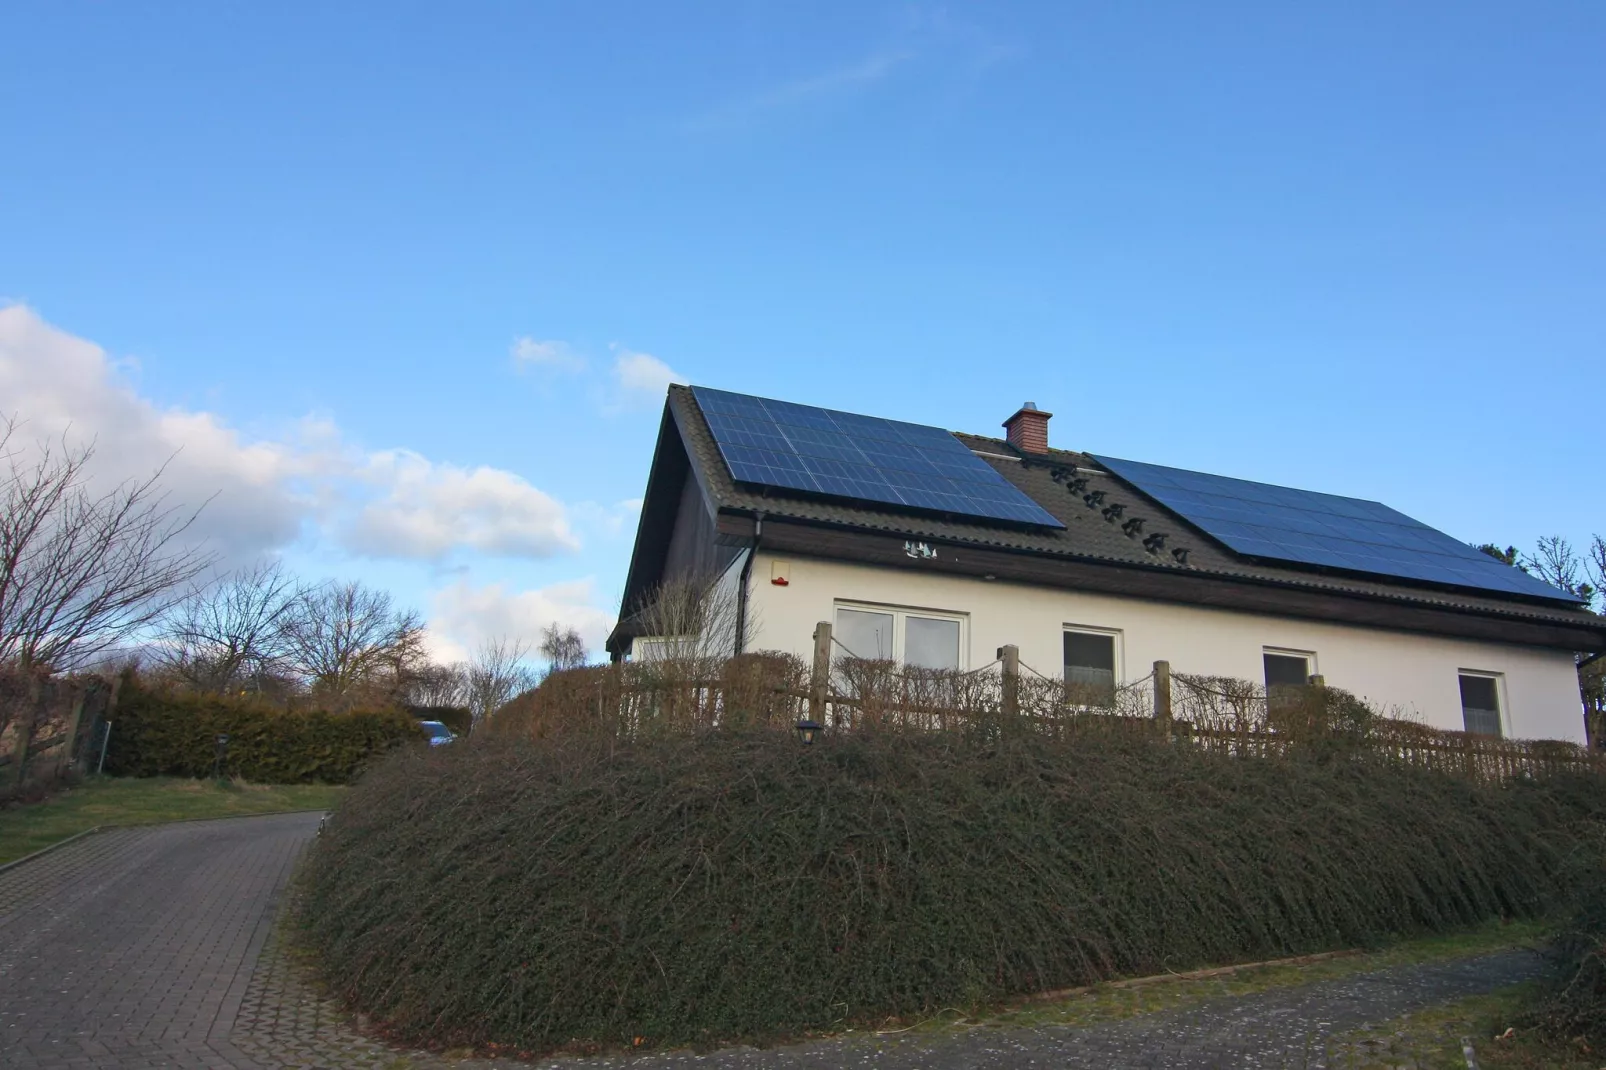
(800, 447)
(1283, 524)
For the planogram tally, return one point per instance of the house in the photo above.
(936, 548)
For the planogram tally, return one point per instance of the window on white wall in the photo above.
(1090, 666)
(1288, 673)
(921, 638)
(1480, 702)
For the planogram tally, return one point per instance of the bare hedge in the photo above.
(583, 890)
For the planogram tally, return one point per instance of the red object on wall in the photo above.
(781, 581)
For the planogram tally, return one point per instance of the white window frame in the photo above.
(651, 648)
(1289, 652)
(1499, 679)
(1114, 633)
(1118, 648)
(899, 615)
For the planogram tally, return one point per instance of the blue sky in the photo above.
(1359, 250)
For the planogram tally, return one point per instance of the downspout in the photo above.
(747, 572)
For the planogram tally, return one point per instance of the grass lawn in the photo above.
(1432, 1039)
(130, 801)
(1111, 1001)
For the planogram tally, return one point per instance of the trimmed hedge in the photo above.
(158, 733)
(730, 885)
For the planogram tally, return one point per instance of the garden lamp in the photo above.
(807, 730)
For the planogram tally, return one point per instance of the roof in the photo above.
(1089, 534)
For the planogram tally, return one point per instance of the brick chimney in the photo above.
(1027, 430)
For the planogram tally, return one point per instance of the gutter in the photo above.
(747, 572)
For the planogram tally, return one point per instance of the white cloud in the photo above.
(529, 352)
(462, 616)
(642, 376)
(261, 495)
(57, 384)
(428, 509)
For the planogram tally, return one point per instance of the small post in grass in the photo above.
(220, 756)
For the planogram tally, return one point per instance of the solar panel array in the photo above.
(1282, 524)
(800, 447)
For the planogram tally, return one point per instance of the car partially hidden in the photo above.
(437, 733)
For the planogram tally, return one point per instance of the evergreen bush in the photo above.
(165, 733)
(580, 891)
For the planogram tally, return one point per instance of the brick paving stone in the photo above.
(130, 947)
(159, 947)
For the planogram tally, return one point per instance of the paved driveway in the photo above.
(135, 947)
(156, 947)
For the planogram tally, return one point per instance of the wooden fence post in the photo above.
(19, 748)
(1009, 655)
(69, 748)
(24, 726)
(820, 678)
(1162, 692)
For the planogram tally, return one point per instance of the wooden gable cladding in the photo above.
(1164, 585)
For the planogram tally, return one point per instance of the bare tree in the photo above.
(694, 619)
(562, 648)
(1595, 565)
(230, 633)
(498, 672)
(349, 641)
(439, 685)
(1558, 564)
(81, 571)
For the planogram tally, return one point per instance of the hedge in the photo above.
(1574, 1007)
(734, 885)
(158, 733)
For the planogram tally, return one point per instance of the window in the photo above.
(1090, 668)
(1288, 672)
(1480, 703)
(662, 647)
(913, 637)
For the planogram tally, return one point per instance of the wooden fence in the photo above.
(842, 692)
(47, 726)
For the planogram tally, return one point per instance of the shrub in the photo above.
(1575, 1007)
(162, 733)
(710, 886)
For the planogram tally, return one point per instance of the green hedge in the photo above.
(735, 885)
(157, 733)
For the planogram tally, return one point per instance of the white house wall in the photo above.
(1416, 674)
